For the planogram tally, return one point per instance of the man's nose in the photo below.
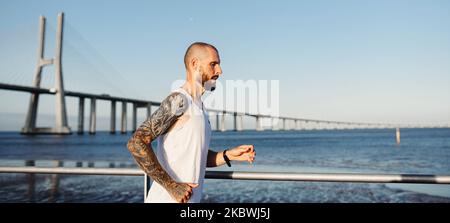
(218, 70)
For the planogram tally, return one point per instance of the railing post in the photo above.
(31, 182)
(55, 182)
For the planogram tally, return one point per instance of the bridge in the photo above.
(61, 124)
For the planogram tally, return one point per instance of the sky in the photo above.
(362, 61)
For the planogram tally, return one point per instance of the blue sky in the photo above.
(368, 61)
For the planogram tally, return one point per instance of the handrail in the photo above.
(331, 177)
(244, 175)
(74, 170)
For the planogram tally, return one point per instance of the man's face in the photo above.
(210, 68)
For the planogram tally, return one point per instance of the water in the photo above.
(422, 151)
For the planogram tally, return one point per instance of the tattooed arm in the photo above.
(140, 145)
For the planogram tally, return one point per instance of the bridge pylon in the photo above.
(61, 124)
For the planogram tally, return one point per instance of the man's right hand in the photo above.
(181, 192)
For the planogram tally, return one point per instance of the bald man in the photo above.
(182, 129)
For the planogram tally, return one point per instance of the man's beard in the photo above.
(208, 83)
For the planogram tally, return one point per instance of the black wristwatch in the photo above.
(225, 157)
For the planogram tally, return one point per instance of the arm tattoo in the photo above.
(159, 123)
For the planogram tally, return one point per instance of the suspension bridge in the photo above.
(61, 123)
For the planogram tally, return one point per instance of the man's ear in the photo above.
(194, 63)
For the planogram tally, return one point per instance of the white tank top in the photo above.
(183, 151)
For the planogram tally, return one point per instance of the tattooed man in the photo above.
(182, 130)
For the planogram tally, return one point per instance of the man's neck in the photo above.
(194, 87)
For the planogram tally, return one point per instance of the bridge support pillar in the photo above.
(80, 115)
(149, 110)
(123, 126)
(92, 117)
(134, 120)
(275, 126)
(222, 123)
(240, 123)
(61, 124)
(217, 121)
(258, 124)
(235, 121)
(113, 118)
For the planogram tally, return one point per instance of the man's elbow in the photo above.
(130, 145)
(136, 141)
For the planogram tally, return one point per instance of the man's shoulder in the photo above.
(176, 102)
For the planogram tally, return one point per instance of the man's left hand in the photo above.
(242, 153)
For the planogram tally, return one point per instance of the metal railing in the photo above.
(243, 175)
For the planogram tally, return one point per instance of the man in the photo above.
(183, 132)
